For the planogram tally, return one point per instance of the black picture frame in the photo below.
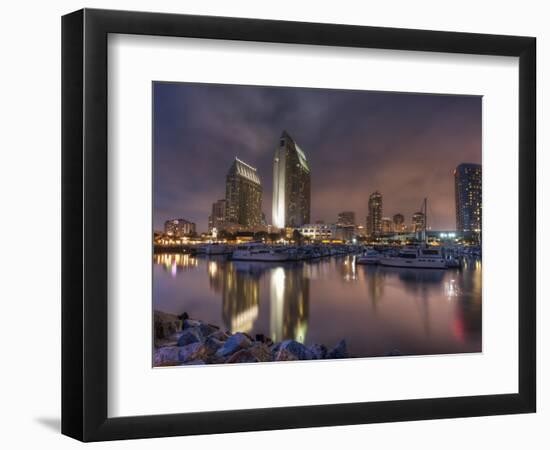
(84, 224)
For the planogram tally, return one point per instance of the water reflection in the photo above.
(289, 303)
(374, 308)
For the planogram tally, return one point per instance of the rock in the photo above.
(189, 323)
(284, 355)
(318, 351)
(212, 345)
(233, 344)
(194, 362)
(189, 336)
(242, 356)
(300, 351)
(338, 352)
(261, 351)
(165, 325)
(220, 335)
(192, 352)
(264, 339)
(207, 329)
(166, 356)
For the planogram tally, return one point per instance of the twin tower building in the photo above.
(242, 206)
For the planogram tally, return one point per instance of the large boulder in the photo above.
(261, 352)
(189, 336)
(233, 344)
(283, 354)
(319, 351)
(339, 351)
(212, 345)
(242, 356)
(166, 356)
(192, 352)
(300, 351)
(165, 325)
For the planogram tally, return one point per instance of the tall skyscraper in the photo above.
(243, 195)
(374, 217)
(346, 218)
(468, 197)
(399, 222)
(418, 221)
(291, 185)
(217, 218)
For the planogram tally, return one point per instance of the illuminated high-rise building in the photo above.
(468, 197)
(374, 216)
(346, 218)
(418, 222)
(243, 195)
(399, 222)
(217, 218)
(291, 185)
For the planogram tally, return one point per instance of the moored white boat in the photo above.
(369, 257)
(259, 252)
(416, 257)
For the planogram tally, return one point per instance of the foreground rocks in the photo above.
(180, 340)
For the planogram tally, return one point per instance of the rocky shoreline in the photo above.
(180, 340)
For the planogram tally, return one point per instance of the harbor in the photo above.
(328, 296)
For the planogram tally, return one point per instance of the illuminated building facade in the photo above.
(243, 195)
(179, 228)
(374, 216)
(317, 231)
(468, 197)
(418, 222)
(217, 218)
(346, 218)
(387, 225)
(291, 185)
(399, 223)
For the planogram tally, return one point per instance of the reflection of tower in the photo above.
(375, 285)
(240, 297)
(291, 185)
(239, 284)
(289, 304)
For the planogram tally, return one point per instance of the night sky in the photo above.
(404, 145)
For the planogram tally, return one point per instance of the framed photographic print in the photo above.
(273, 224)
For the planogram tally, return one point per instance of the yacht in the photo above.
(371, 256)
(259, 252)
(416, 257)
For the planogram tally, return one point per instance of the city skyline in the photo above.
(404, 145)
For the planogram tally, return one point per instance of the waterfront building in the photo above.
(418, 222)
(387, 225)
(217, 218)
(346, 218)
(243, 196)
(291, 185)
(179, 228)
(374, 216)
(468, 197)
(317, 231)
(399, 223)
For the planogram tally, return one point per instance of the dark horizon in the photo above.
(404, 145)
